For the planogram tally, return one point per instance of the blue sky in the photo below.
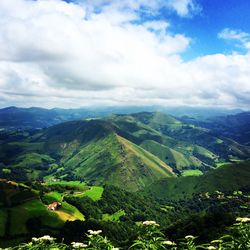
(214, 17)
(56, 53)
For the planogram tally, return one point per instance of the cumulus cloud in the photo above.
(239, 36)
(54, 53)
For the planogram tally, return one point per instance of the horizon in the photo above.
(89, 54)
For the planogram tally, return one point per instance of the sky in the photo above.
(81, 53)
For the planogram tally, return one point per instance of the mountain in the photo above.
(179, 144)
(129, 151)
(228, 178)
(235, 126)
(88, 150)
(203, 137)
(35, 118)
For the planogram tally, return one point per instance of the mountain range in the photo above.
(131, 151)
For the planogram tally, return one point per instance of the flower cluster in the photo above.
(92, 232)
(45, 238)
(243, 220)
(78, 245)
(149, 223)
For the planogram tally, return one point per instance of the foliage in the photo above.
(151, 238)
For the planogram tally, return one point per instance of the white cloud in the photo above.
(53, 53)
(239, 36)
(184, 7)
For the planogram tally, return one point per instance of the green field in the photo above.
(69, 212)
(53, 196)
(191, 172)
(95, 193)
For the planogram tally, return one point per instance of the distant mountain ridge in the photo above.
(36, 118)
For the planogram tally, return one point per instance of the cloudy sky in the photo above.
(56, 53)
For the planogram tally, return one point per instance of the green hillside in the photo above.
(22, 212)
(129, 151)
(167, 125)
(171, 156)
(227, 178)
(114, 160)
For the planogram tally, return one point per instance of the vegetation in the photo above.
(117, 174)
(151, 238)
(129, 151)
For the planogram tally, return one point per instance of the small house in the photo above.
(54, 206)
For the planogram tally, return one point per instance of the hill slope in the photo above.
(227, 178)
(180, 145)
(83, 150)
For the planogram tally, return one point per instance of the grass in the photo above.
(22, 213)
(69, 212)
(113, 217)
(53, 196)
(95, 193)
(191, 172)
(169, 155)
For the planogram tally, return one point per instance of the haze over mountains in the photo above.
(35, 117)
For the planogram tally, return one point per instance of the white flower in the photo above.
(243, 220)
(43, 238)
(78, 245)
(46, 238)
(149, 223)
(189, 237)
(92, 232)
(168, 242)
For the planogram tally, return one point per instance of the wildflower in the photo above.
(243, 220)
(78, 245)
(211, 248)
(168, 242)
(92, 232)
(189, 237)
(149, 223)
(35, 239)
(46, 238)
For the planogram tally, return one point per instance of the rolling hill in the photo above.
(129, 151)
